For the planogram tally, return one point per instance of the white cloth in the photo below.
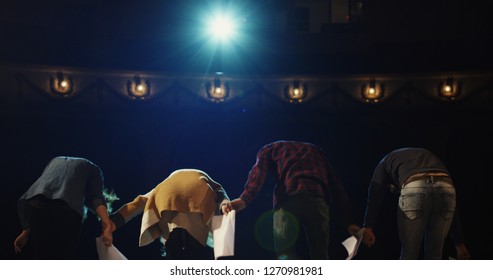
(223, 233)
(108, 253)
(352, 244)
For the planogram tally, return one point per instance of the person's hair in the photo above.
(109, 196)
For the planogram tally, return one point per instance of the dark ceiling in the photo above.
(386, 36)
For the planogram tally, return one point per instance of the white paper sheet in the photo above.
(352, 244)
(108, 253)
(223, 233)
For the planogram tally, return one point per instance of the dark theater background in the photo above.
(148, 92)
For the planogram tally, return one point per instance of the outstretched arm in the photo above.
(376, 194)
(222, 198)
(458, 237)
(106, 224)
(129, 210)
(237, 204)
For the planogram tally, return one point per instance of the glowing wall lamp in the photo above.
(372, 92)
(296, 92)
(61, 85)
(449, 89)
(138, 89)
(217, 91)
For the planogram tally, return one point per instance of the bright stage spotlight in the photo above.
(221, 27)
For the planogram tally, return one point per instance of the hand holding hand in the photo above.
(353, 229)
(369, 237)
(237, 204)
(107, 234)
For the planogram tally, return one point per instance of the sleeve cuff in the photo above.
(245, 199)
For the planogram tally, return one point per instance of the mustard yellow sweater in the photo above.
(188, 198)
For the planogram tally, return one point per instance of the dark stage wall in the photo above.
(138, 146)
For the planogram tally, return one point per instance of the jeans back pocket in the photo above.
(412, 205)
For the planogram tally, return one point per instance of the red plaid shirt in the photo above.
(298, 168)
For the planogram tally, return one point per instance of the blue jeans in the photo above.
(426, 209)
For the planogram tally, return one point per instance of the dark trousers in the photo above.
(183, 246)
(298, 213)
(55, 232)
